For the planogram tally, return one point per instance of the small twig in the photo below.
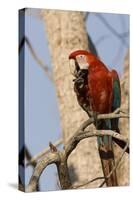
(88, 182)
(52, 147)
(44, 152)
(118, 35)
(37, 59)
(101, 39)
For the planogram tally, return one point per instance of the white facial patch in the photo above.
(82, 61)
(72, 66)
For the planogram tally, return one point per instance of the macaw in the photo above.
(98, 91)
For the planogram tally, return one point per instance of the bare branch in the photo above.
(88, 182)
(63, 172)
(37, 59)
(86, 134)
(113, 115)
(41, 165)
(44, 152)
(101, 39)
(72, 143)
(57, 143)
(60, 157)
(29, 157)
(118, 35)
(101, 133)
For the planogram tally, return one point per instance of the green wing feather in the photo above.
(116, 103)
(105, 142)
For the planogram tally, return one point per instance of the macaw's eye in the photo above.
(81, 56)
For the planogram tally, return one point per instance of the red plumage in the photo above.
(97, 89)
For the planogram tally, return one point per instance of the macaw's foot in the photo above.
(79, 84)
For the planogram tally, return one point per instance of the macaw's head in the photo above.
(80, 60)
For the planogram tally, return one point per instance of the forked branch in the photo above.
(59, 158)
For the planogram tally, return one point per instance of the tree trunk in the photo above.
(66, 32)
(123, 169)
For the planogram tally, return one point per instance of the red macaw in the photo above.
(98, 90)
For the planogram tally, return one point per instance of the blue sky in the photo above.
(42, 123)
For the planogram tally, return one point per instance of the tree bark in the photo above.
(123, 169)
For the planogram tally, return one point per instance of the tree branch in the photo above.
(37, 59)
(86, 134)
(88, 182)
(60, 157)
(44, 152)
(73, 141)
(41, 165)
(101, 133)
(118, 35)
